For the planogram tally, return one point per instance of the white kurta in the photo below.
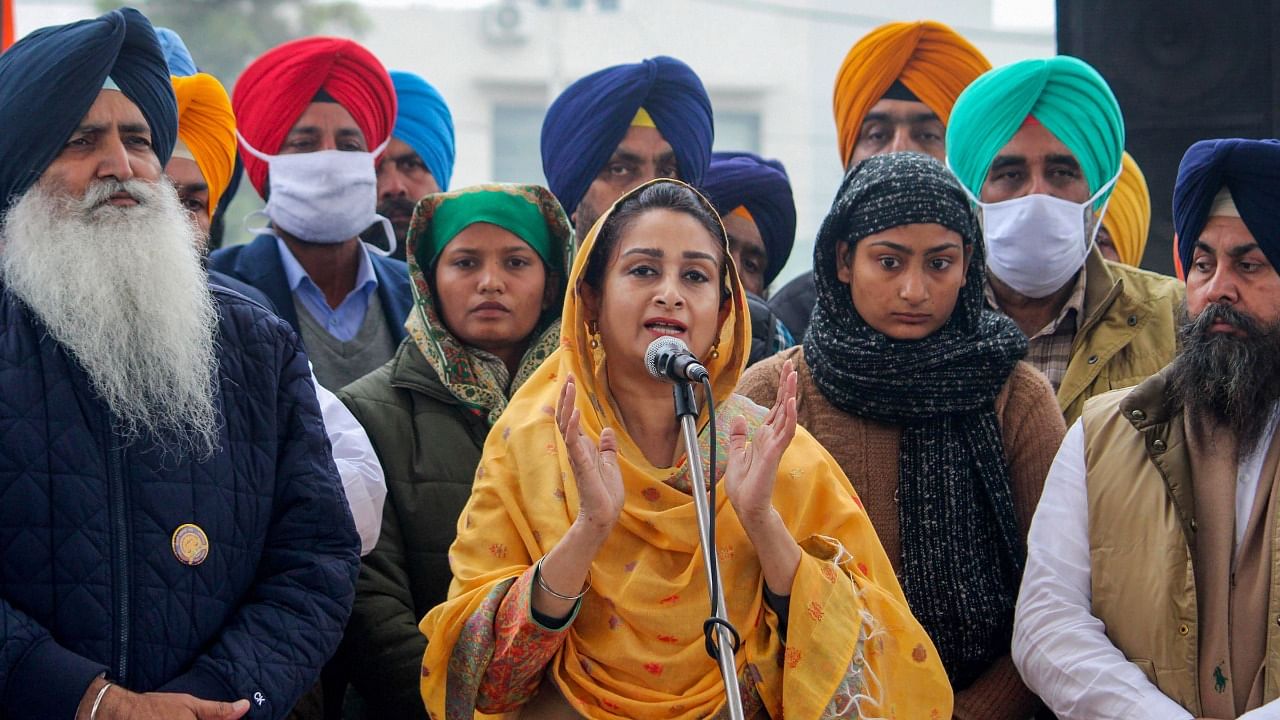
(1059, 646)
(362, 477)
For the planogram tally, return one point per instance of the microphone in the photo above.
(668, 358)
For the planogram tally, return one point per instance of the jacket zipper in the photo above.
(120, 561)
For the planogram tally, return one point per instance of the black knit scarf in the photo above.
(962, 552)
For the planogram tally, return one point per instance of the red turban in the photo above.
(275, 90)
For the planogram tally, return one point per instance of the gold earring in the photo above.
(595, 342)
(595, 335)
(715, 351)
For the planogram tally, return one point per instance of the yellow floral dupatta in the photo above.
(635, 649)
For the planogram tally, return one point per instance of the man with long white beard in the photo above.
(174, 541)
(1149, 589)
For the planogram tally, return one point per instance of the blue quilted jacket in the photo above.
(89, 580)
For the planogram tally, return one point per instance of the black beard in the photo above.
(1233, 381)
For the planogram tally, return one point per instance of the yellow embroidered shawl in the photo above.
(635, 649)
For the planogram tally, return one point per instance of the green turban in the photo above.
(1064, 93)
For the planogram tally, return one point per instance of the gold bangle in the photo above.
(537, 576)
(97, 701)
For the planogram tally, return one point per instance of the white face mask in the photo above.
(1037, 242)
(326, 196)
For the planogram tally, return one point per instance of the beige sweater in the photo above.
(867, 451)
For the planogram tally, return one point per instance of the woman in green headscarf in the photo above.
(487, 265)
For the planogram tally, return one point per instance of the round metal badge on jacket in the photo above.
(190, 544)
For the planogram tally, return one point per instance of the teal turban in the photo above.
(1064, 93)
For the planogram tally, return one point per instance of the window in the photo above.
(517, 143)
(737, 131)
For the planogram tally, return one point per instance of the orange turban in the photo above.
(931, 59)
(207, 127)
(1128, 217)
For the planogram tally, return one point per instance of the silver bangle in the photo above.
(97, 701)
(537, 576)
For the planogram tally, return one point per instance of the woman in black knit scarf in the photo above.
(901, 338)
(961, 551)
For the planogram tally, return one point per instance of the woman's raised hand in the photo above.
(565, 569)
(753, 464)
(595, 469)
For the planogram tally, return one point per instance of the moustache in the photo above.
(396, 206)
(99, 193)
(1220, 313)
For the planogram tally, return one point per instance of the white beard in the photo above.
(123, 290)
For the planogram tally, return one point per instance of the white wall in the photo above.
(753, 56)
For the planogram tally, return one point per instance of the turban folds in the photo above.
(1250, 169)
(424, 123)
(1128, 218)
(274, 91)
(50, 79)
(207, 127)
(585, 124)
(518, 209)
(176, 53)
(933, 61)
(761, 186)
(1064, 93)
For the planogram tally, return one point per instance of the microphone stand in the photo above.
(687, 411)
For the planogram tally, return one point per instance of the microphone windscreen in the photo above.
(664, 346)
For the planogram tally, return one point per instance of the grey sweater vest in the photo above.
(337, 363)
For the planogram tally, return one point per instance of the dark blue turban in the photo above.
(1250, 169)
(585, 124)
(50, 79)
(761, 186)
(423, 122)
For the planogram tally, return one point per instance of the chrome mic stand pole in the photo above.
(687, 411)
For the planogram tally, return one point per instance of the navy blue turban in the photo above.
(424, 123)
(50, 79)
(585, 124)
(1250, 169)
(761, 186)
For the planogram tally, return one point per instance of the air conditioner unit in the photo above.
(506, 23)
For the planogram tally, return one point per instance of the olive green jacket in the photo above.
(1128, 334)
(429, 447)
(1142, 528)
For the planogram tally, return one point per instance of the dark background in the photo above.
(1182, 71)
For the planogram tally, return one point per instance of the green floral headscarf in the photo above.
(480, 380)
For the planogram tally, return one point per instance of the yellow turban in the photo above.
(931, 59)
(1128, 217)
(207, 127)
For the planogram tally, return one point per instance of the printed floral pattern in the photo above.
(503, 653)
(517, 650)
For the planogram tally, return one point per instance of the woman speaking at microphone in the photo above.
(579, 589)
